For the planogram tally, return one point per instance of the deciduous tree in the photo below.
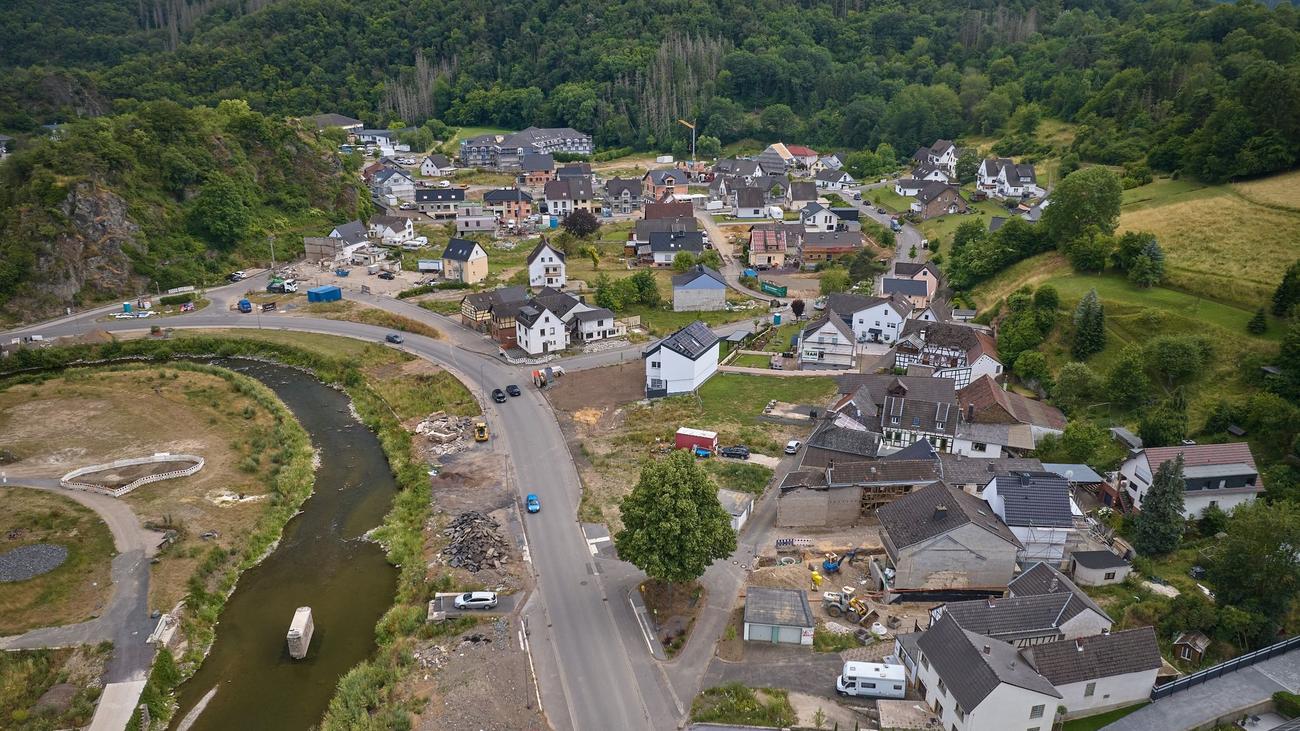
(1255, 566)
(581, 223)
(797, 307)
(1087, 197)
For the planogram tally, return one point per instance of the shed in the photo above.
(688, 438)
(779, 616)
(1098, 568)
(737, 504)
(1125, 437)
(326, 293)
(1191, 646)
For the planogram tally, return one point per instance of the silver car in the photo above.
(476, 600)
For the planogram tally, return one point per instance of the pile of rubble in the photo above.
(475, 543)
(446, 434)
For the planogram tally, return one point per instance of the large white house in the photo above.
(816, 217)
(539, 331)
(391, 229)
(1002, 178)
(681, 362)
(394, 182)
(960, 352)
(1038, 508)
(873, 319)
(942, 155)
(546, 266)
(833, 180)
(1223, 475)
(826, 344)
(435, 166)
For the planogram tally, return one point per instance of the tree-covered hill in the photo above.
(1209, 89)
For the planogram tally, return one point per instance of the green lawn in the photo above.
(749, 360)
(779, 340)
(885, 196)
(1101, 720)
(741, 396)
(735, 704)
(942, 228)
(742, 476)
(463, 133)
(661, 321)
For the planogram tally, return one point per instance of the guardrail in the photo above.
(1233, 665)
(70, 479)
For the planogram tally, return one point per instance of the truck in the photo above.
(872, 680)
(693, 439)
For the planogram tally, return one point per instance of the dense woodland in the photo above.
(1210, 89)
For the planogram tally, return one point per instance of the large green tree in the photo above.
(673, 525)
(1087, 197)
(1256, 567)
(1287, 294)
(1089, 327)
(1158, 529)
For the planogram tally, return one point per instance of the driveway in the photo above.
(793, 667)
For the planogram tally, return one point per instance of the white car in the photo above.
(124, 316)
(444, 183)
(476, 600)
(144, 313)
(792, 446)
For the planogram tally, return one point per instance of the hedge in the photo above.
(1288, 704)
(176, 299)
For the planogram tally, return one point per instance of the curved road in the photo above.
(593, 673)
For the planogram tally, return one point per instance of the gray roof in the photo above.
(785, 607)
(832, 239)
(803, 190)
(832, 176)
(750, 198)
(920, 449)
(973, 666)
(879, 385)
(665, 177)
(353, 232)
(439, 161)
(1098, 560)
(665, 241)
(853, 443)
(568, 189)
(598, 313)
(804, 478)
(694, 273)
(845, 304)
(1126, 437)
(615, 187)
(734, 501)
(909, 287)
(1042, 578)
(529, 313)
(541, 246)
(647, 226)
(1039, 499)
(838, 323)
(492, 298)
(1076, 472)
(439, 195)
(574, 170)
(459, 249)
(910, 183)
(556, 301)
(1099, 656)
(885, 472)
(505, 195)
(691, 341)
(961, 470)
(916, 517)
(1014, 618)
(533, 162)
(934, 189)
(909, 269)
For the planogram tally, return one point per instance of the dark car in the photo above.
(513, 390)
(498, 395)
(387, 275)
(394, 338)
(881, 211)
(737, 452)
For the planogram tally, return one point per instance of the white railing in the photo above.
(70, 479)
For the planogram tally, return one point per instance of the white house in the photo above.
(827, 343)
(539, 331)
(664, 246)
(1003, 178)
(394, 182)
(391, 229)
(681, 362)
(750, 203)
(1039, 510)
(942, 154)
(1043, 607)
(1223, 475)
(873, 319)
(590, 325)
(546, 266)
(1099, 673)
(833, 180)
(929, 173)
(436, 166)
(963, 353)
(816, 217)
(909, 187)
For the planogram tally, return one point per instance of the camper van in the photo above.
(872, 680)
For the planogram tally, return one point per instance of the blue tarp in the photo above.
(327, 293)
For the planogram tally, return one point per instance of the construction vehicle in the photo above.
(833, 560)
(480, 431)
(843, 604)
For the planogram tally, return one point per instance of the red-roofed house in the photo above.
(1223, 475)
(805, 156)
(766, 248)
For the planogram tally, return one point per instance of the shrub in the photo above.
(1288, 704)
(176, 299)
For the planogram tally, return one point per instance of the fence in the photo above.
(70, 480)
(1233, 665)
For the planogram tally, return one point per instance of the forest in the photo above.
(1209, 90)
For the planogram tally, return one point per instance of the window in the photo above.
(1089, 690)
(654, 364)
(893, 420)
(979, 447)
(925, 663)
(961, 715)
(1185, 652)
(1109, 575)
(943, 690)
(1036, 711)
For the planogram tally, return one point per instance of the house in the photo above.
(750, 203)
(672, 210)
(839, 439)
(699, 288)
(681, 362)
(937, 311)
(623, 195)
(536, 170)
(833, 180)
(575, 171)
(984, 401)
(827, 245)
(939, 538)
(566, 196)
(476, 309)
(963, 353)
(903, 410)
(908, 187)
(939, 199)
(915, 290)
(1002, 178)
(658, 184)
(1223, 475)
(1031, 619)
(475, 220)
(538, 330)
(776, 159)
(929, 173)
(988, 441)
(767, 247)
(506, 151)
(640, 233)
(394, 182)
(464, 261)
(509, 203)
(1098, 568)
(927, 272)
(973, 474)
(942, 154)
(778, 616)
(804, 157)
(1038, 508)
(546, 267)
(833, 161)
(350, 233)
(436, 166)
(827, 343)
(844, 494)
(816, 217)
(774, 187)
(1099, 673)
(439, 202)
(1190, 647)
(745, 170)
(664, 246)
(801, 193)
(737, 504)
(873, 319)
(561, 304)
(502, 323)
(391, 229)
(323, 122)
(599, 323)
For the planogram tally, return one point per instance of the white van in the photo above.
(872, 680)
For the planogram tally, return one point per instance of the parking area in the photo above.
(506, 604)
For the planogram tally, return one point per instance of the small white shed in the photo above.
(1098, 568)
(737, 504)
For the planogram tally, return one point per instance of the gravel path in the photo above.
(28, 562)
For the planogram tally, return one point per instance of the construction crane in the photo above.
(691, 126)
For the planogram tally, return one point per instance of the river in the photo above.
(320, 562)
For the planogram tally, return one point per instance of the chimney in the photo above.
(970, 413)
(1053, 586)
(987, 648)
(940, 512)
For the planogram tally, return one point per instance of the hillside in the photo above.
(160, 197)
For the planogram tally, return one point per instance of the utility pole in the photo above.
(273, 253)
(691, 126)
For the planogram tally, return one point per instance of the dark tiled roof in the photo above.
(459, 249)
(353, 232)
(1042, 578)
(803, 190)
(831, 176)
(665, 241)
(695, 272)
(786, 607)
(506, 195)
(853, 443)
(599, 313)
(648, 226)
(909, 269)
(615, 187)
(1038, 499)
(878, 385)
(541, 246)
(486, 300)
(934, 189)
(1099, 656)
(1012, 618)
(915, 517)
(529, 313)
(533, 162)
(804, 478)
(568, 189)
(961, 470)
(910, 471)
(439, 195)
(557, 302)
(667, 177)
(674, 209)
(691, 341)
(750, 198)
(832, 239)
(994, 405)
(1098, 560)
(439, 161)
(910, 287)
(921, 449)
(959, 658)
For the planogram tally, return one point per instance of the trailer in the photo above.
(300, 632)
(872, 680)
(693, 439)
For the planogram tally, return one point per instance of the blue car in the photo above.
(534, 505)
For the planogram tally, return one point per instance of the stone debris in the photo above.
(446, 434)
(21, 564)
(475, 543)
(839, 629)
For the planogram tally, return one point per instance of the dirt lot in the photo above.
(116, 477)
(133, 412)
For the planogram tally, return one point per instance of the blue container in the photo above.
(126, 306)
(555, 221)
(326, 293)
(751, 273)
(776, 319)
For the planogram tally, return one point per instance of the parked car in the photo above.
(498, 395)
(513, 390)
(395, 338)
(737, 452)
(444, 183)
(238, 276)
(476, 600)
(387, 275)
(792, 446)
(534, 505)
(124, 316)
(881, 211)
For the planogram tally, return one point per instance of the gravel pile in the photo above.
(27, 562)
(475, 542)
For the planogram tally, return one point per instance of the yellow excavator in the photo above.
(480, 431)
(844, 604)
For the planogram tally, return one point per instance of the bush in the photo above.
(1288, 704)
(176, 299)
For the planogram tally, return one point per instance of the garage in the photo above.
(779, 616)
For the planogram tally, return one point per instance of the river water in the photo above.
(320, 562)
